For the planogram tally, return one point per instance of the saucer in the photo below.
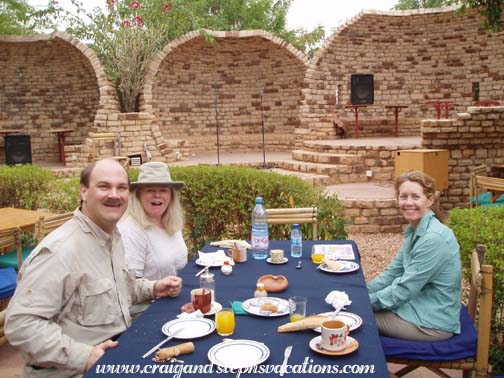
(351, 346)
(285, 259)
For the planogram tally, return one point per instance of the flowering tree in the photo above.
(128, 34)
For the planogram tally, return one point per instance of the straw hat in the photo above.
(155, 173)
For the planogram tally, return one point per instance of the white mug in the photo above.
(334, 335)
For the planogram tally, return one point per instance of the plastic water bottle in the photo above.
(259, 238)
(296, 241)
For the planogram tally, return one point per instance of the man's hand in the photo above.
(98, 351)
(170, 286)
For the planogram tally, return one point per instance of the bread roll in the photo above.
(309, 322)
(174, 351)
(332, 264)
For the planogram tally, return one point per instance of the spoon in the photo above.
(298, 266)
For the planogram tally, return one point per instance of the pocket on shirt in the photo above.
(97, 300)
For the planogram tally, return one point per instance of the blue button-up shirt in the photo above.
(422, 284)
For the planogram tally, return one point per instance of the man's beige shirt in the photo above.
(74, 292)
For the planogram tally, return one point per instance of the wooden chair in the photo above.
(10, 240)
(300, 215)
(3, 338)
(44, 226)
(494, 185)
(482, 287)
(480, 170)
(99, 150)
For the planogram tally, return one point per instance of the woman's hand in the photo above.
(170, 286)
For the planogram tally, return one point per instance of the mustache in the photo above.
(114, 202)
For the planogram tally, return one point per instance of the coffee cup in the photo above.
(277, 255)
(201, 299)
(238, 254)
(334, 335)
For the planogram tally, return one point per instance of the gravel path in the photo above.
(376, 251)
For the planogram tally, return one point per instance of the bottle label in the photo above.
(259, 242)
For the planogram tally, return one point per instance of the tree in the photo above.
(128, 34)
(491, 10)
(17, 17)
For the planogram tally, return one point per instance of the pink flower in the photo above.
(126, 24)
(167, 7)
(134, 4)
(138, 21)
(110, 4)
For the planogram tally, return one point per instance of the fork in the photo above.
(287, 354)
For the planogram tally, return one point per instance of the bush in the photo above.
(218, 202)
(24, 186)
(63, 195)
(484, 225)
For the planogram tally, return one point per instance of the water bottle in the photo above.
(296, 241)
(259, 239)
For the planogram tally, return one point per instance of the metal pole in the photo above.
(217, 122)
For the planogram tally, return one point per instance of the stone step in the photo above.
(337, 173)
(326, 158)
(314, 179)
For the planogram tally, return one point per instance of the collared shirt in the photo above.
(74, 292)
(422, 284)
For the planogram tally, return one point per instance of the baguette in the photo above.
(306, 323)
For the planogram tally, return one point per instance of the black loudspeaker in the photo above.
(362, 87)
(18, 149)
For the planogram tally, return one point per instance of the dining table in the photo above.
(12, 217)
(366, 360)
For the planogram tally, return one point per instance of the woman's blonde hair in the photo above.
(173, 218)
(429, 187)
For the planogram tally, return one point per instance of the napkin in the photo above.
(231, 243)
(338, 299)
(238, 308)
(191, 315)
(213, 258)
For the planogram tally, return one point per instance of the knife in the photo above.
(287, 354)
(163, 342)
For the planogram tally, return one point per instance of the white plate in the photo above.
(193, 328)
(354, 321)
(345, 267)
(285, 259)
(238, 354)
(252, 306)
(216, 306)
(351, 346)
(215, 263)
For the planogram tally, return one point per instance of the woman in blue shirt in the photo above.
(417, 297)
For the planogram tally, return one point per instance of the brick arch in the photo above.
(187, 76)
(55, 81)
(415, 56)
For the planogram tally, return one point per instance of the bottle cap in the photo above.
(226, 262)
(295, 225)
(258, 200)
(260, 286)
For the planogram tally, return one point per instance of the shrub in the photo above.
(63, 195)
(484, 225)
(218, 202)
(24, 186)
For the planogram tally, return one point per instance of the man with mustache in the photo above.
(74, 290)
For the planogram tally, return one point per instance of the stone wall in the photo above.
(415, 56)
(192, 77)
(475, 137)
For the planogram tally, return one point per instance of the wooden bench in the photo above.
(299, 215)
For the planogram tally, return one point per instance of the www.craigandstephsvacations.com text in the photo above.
(179, 370)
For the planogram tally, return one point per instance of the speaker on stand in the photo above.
(17, 149)
(362, 89)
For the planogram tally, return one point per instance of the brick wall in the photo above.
(46, 84)
(415, 56)
(191, 74)
(474, 137)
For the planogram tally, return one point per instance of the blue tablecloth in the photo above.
(314, 284)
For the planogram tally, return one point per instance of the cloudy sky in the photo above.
(303, 13)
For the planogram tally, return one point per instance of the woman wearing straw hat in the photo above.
(151, 229)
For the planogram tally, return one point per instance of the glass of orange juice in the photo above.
(225, 322)
(297, 308)
(317, 256)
